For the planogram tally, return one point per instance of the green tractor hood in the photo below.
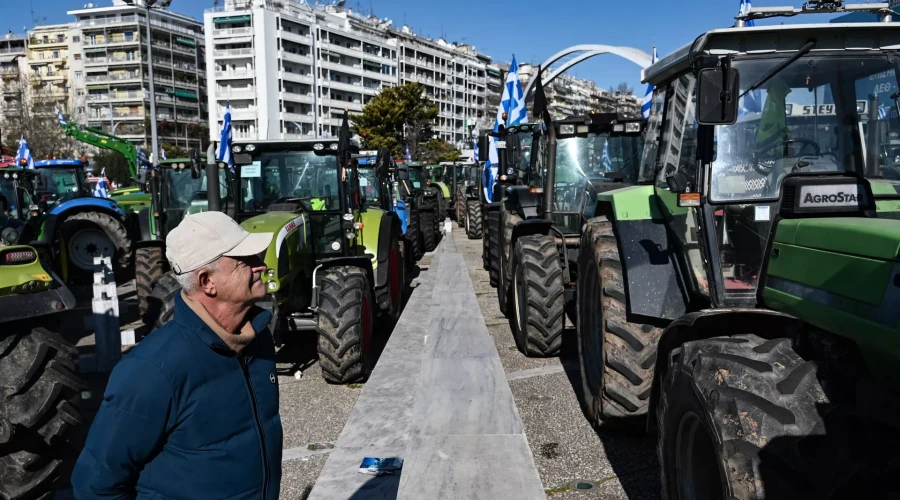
(290, 242)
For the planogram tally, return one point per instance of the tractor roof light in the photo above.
(567, 128)
(250, 148)
(619, 127)
(318, 146)
(236, 148)
(632, 127)
(333, 146)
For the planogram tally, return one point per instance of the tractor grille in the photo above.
(788, 195)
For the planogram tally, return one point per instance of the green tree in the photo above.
(397, 117)
(116, 167)
(436, 150)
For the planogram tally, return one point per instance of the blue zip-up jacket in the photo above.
(185, 417)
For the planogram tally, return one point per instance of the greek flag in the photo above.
(745, 8)
(142, 160)
(605, 160)
(475, 142)
(513, 104)
(62, 121)
(648, 96)
(883, 112)
(408, 156)
(101, 190)
(224, 154)
(24, 153)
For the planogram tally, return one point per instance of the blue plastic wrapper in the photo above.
(381, 466)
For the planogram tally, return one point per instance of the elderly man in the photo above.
(192, 411)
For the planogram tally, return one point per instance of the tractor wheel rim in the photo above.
(86, 244)
(395, 280)
(696, 466)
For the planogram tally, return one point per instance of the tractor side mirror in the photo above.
(718, 94)
(677, 183)
(40, 183)
(195, 163)
(402, 174)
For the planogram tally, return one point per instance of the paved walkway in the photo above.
(439, 399)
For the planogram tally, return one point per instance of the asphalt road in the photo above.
(566, 449)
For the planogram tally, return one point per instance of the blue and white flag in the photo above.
(745, 8)
(605, 160)
(648, 95)
(142, 160)
(883, 112)
(224, 154)
(408, 156)
(62, 121)
(513, 104)
(101, 191)
(162, 154)
(475, 142)
(24, 153)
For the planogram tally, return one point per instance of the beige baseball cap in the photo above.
(204, 237)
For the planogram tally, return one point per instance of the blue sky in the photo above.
(531, 29)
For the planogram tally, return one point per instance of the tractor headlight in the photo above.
(510, 171)
(350, 235)
(236, 148)
(272, 285)
(567, 129)
(619, 127)
(632, 127)
(270, 273)
(348, 217)
(333, 146)
(336, 245)
(318, 146)
(250, 148)
(582, 129)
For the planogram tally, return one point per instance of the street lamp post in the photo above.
(149, 4)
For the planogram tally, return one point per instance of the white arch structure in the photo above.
(636, 56)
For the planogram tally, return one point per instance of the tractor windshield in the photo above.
(14, 198)
(184, 192)
(368, 186)
(290, 174)
(584, 159)
(62, 184)
(525, 139)
(416, 177)
(821, 113)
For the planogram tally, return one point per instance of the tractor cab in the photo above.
(302, 177)
(720, 169)
(60, 181)
(17, 206)
(519, 139)
(183, 190)
(374, 190)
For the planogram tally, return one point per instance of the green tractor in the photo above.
(456, 175)
(436, 180)
(40, 392)
(513, 155)
(426, 201)
(472, 199)
(541, 221)
(741, 300)
(334, 264)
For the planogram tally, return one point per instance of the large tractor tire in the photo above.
(390, 296)
(161, 304)
(149, 265)
(412, 233)
(429, 240)
(493, 222)
(538, 295)
(40, 410)
(745, 418)
(508, 221)
(460, 208)
(345, 325)
(616, 357)
(473, 219)
(94, 234)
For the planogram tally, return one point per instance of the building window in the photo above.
(77, 57)
(78, 74)
(76, 39)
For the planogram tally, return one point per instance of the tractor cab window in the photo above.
(14, 197)
(186, 193)
(291, 174)
(368, 185)
(524, 150)
(62, 184)
(416, 177)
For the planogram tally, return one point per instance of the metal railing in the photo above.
(232, 31)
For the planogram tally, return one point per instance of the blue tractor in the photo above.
(77, 225)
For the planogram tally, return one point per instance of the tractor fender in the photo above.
(521, 201)
(78, 205)
(389, 225)
(143, 218)
(402, 214)
(360, 261)
(148, 243)
(528, 228)
(709, 323)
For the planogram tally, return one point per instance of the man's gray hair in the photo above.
(188, 281)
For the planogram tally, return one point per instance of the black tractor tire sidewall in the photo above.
(161, 303)
(117, 233)
(149, 265)
(537, 312)
(473, 219)
(493, 233)
(344, 346)
(429, 240)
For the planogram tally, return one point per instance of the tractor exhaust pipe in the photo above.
(213, 196)
(550, 181)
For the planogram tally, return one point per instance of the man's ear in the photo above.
(206, 283)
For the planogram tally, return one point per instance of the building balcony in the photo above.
(295, 97)
(355, 69)
(112, 41)
(294, 77)
(235, 94)
(355, 105)
(232, 32)
(298, 117)
(296, 37)
(295, 58)
(355, 87)
(224, 53)
(235, 73)
(49, 43)
(310, 134)
(249, 113)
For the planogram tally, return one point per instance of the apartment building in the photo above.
(13, 64)
(49, 75)
(111, 58)
(289, 70)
